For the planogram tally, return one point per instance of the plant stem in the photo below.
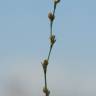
(54, 9)
(49, 52)
(52, 41)
(45, 83)
(51, 23)
(45, 80)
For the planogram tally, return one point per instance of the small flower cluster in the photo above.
(45, 64)
(51, 16)
(46, 91)
(52, 39)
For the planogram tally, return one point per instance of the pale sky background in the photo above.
(24, 31)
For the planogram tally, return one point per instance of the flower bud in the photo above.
(51, 16)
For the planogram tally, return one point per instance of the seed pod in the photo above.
(51, 16)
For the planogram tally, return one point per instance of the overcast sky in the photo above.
(24, 33)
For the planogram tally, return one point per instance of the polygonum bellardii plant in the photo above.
(51, 16)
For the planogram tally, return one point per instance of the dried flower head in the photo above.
(51, 16)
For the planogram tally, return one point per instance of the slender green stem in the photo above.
(46, 91)
(54, 9)
(45, 84)
(45, 80)
(51, 23)
(51, 31)
(49, 52)
(51, 46)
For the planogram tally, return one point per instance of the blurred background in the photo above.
(24, 34)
